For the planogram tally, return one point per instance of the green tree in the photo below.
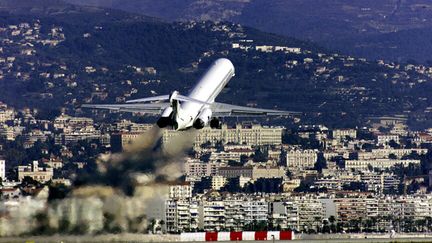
(321, 163)
(260, 156)
(332, 220)
(42, 224)
(64, 226)
(393, 144)
(244, 159)
(57, 191)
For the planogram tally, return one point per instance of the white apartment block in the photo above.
(268, 172)
(399, 153)
(223, 156)
(237, 147)
(377, 163)
(412, 207)
(380, 182)
(230, 213)
(384, 139)
(341, 134)
(180, 191)
(254, 172)
(181, 215)
(408, 207)
(301, 159)
(240, 212)
(311, 213)
(298, 213)
(348, 209)
(217, 182)
(212, 215)
(236, 171)
(337, 181)
(68, 122)
(301, 213)
(249, 135)
(264, 48)
(285, 214)
(195, 169)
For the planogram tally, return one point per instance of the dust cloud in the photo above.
(146, 160)
(127, 190)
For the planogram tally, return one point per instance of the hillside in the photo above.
(63, 60)
(364, 28)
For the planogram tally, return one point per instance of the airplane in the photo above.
(197, 109)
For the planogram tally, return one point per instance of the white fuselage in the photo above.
(207, 89)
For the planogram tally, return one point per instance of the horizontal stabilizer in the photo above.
(154, 108)
(174, 96)
(155, 98)
(224, 110)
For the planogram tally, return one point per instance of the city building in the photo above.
(180, 191)
(41, 174)
(340, 134)
(240, 134)
(212, 215)
(236, 171)
(301, 159)
(268, 172)
(181, 215)
(218, 181)
(384, 139)
(298, 213)
(378, 163)
(196, 169)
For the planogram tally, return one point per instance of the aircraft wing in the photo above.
(153, 108)
(224, 110)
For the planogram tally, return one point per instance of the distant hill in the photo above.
(385, 29)
(61, 9)
(41, 7)
(94, 55)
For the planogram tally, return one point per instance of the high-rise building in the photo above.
(181, 215)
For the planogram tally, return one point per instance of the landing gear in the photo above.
(215, 123)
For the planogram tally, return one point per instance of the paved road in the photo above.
(174, 238)
(369, 240)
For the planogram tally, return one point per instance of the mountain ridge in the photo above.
(61, 61)
(334, 24)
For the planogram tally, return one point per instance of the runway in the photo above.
(176, 238)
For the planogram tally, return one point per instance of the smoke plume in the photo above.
(146, 156)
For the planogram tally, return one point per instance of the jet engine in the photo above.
(203, 119)
(215, 123)
(166, 118)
